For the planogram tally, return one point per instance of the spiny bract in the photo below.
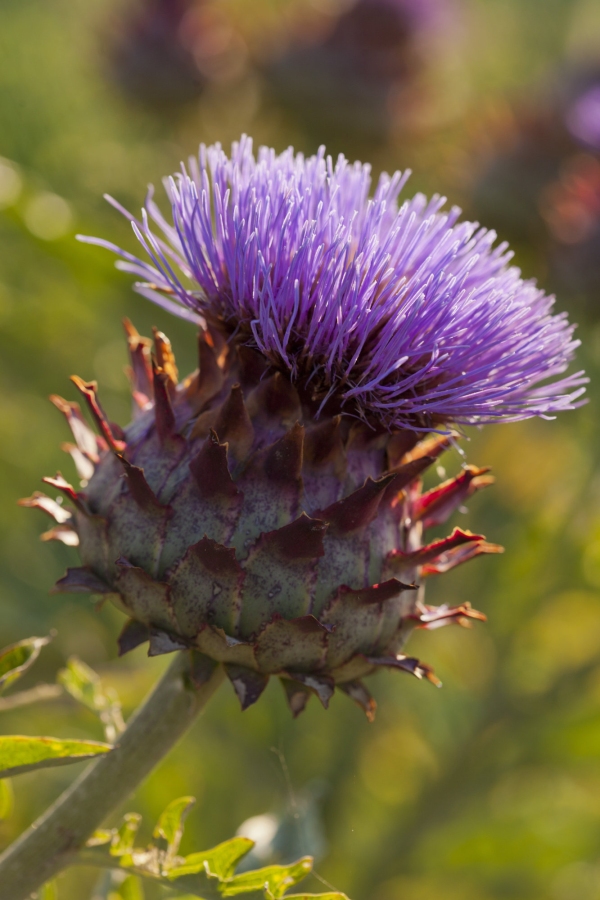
(225, 519)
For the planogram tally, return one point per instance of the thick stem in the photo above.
(52, 842)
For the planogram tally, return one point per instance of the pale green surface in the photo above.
(488, 789)
(17, 658)
(19, 753)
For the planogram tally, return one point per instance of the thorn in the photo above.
(38, 500)
(217, 559)
(377, 593)
(297, 695)
(275, 398)
(82, 433)
(80, 581)
(163, 411)
(132, 635)
(433, 446)
(63, 533)
(460, 555)
(252, 365)
(161, 642)
(361, 696)
(432, 617)
(141, 365)
(139, 488)
(400, 560)
(323, 442)
(283, 462)
(358, 509)
(437, 505)
(247, 683)
(301, 539)
(85, 469)
(165, 358)
(321, 685)
(201, 668)
(399, 444)
(407, 664)
(211, 472)
(233, 424)
(68, 490)
(210, 378)
(88, 390)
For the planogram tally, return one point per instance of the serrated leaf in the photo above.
(274, 879)
(17, 658)
(7, 799)
(220, 860)
(85, 686)
(170, 824)
(124, 839)
(19, 753)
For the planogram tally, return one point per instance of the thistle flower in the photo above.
(267, 511)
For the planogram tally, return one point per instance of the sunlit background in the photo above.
(490, 787)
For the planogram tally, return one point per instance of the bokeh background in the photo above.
(490, 787)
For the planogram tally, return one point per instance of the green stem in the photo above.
(53, 841)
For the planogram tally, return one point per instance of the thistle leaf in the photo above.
(48, 892)
(17, 658)
(208, 874)
(85, 686)
(332, 896)
(7, 800)
(220, 861)
(129, 889)
(274, 880)
(170, 826)
(124, 839)
(19, 753)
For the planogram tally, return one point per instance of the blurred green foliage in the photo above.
(487, 789)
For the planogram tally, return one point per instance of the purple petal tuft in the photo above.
(398, 314)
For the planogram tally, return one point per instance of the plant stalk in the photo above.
(52, 842)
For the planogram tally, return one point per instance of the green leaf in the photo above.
(170, 824)
(208, 875)
(19, 753)
(220, 860)
(333, 896)
(7, 799)
(85, 686)
(124, 839)
(17, 658)
(102, 836)
(48, 892)
(129, 889)
(275, 879)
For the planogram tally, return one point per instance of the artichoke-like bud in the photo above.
(225, 519)
(268, 512)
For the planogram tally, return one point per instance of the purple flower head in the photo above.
(393, 312)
